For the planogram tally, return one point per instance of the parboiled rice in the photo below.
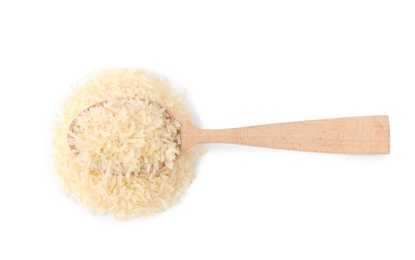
(123, 197)
(125, 136)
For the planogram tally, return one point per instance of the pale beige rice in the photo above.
(122, 196)
(125, 136)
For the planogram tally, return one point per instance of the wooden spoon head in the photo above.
(186, 127)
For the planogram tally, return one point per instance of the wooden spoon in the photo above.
(350, 135)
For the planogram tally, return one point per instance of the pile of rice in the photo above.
(125, 193)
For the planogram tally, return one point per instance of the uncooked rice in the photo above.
(125, 136)
(122, 196)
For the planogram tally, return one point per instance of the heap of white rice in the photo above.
(125, 136)
(121, 195)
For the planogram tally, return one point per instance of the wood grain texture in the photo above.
(351, 135)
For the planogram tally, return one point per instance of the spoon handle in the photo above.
(351, 135)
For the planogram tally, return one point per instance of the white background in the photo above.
(242, 63)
